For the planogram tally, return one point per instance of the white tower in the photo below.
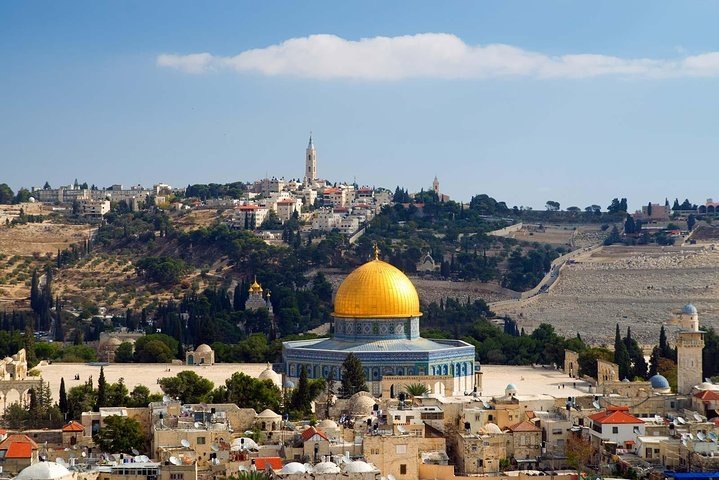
(310, 163)
(690, 343)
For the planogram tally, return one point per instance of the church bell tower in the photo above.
(310, 163)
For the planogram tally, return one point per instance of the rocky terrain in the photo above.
(638, 286)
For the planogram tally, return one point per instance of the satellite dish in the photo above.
(215, 447)
(681, 421)
(67, 449)
(698, 417)
(174, 460)
(135, 452)
(185, 443)
(198, 425)
(684, 442)
(596, 405)
(84, 454)
(690, 436)
(701, 436)
(249, 432)
(713, 436)
(166, 398)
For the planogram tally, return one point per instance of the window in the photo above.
(177, 476)
(556, 431)
(480, 462)
(490, 418)
(400, 449)
(615, 429)
(200, 440)
(403, 469)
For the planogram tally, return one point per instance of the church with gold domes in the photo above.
(376, 318)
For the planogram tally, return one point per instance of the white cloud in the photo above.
(430, 55)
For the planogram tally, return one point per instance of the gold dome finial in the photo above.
(255, 287)
(375, 249)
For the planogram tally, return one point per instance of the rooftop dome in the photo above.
(491, 428)
(511, 388)
(689, 309)
(357, 466)
(267, 413)
(114, 341)
(377, 290)
(328, 424)
(293, 467)
(361, 403)
(659, 382)
(289, 384)
(44, 471)
(204, 348)
(326, 467)
(269, 374)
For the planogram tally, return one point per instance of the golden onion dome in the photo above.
(255, 287)
(377, 290)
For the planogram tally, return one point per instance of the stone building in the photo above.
(690, 344)
(378, 305)
(202, 355)
(482, 453)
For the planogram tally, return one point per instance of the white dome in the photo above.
(511, 388)
(326, 467)
(269, 374)
(293, 467)
(491, 428)
(44, 471)
(328, 424)
(267, 413)
(357, 466)
(707, 386)
(361, 404)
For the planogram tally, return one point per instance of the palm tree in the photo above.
(416, 389)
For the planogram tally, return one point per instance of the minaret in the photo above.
(310, 163)
(435, 185)
(690, 343)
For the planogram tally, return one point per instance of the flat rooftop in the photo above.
(146, 374)
(530, 381)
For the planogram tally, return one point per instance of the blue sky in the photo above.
(506, 102)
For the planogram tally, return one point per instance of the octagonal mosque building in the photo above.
(376, 318)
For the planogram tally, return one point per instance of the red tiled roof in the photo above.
(248, 207)
(707, 395)
(275, 463)
(17, 437)
(525, 426)
(19, 450)
(73, 427)
(310, 432)
(614, 416)
(286, 202)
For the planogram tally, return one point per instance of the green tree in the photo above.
(124, 354)
(154, 351)
(353, 377)
(120, 434)
(101, 391)
(63, 397)
(305, 393)
(6, 194)
(188, 386)
(416, 389)
(621, 356)
(654, 361)
(249, 392)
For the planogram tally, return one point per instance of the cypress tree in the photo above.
(63, 396)
(654, 362)
(34, 292)
(353, 378)
(664, 349)
(621, 356)
(101, 390)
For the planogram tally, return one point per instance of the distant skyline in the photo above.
(525, 101)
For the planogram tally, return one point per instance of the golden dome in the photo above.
(377, 290)
(255, 287)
